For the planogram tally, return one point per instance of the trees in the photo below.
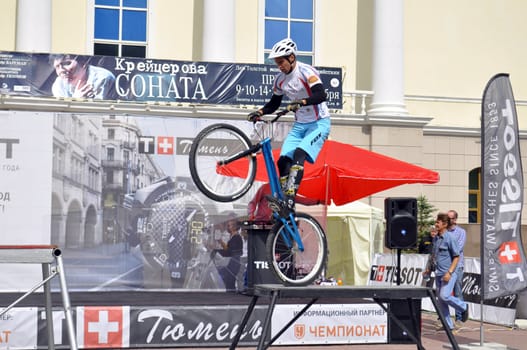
(424, 217)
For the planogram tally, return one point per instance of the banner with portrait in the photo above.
(144, 79)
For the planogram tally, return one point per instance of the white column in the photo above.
(33, 26)
(218, 30)
(388, 65)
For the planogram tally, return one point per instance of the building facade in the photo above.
(414, 71)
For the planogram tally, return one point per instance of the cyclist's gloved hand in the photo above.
(254, 116)
(294, 106)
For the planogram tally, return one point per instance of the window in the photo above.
(111, 134)
(109, 177)
(58, 159)
(290, 19)
(93, 178)
(474, 193)
(76, 167)
(110, 153)
(120, 28)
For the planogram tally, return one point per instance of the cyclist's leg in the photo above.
(316, 134)
(284, 166)
(289, 183)
(289, 146)
(303, 142)
(295, 176)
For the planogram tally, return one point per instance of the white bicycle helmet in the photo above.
(284, 47)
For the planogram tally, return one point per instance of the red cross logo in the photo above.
(165, 145)
(509, 253)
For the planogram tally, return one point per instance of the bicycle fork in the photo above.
(290, 233)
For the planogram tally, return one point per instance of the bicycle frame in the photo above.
(265, 146)
(289, 223)
(296, 247)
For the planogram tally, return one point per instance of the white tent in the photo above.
(355, 232)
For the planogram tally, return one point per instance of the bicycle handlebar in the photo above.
(277, 116)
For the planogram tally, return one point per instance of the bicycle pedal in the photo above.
(273, 203)
(279, 206)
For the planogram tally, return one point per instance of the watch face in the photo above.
(172, 223)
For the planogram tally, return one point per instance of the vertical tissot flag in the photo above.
(504, 267)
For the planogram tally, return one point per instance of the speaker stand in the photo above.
(398, 267)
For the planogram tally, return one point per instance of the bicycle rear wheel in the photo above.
(289, 264)
(213, 144)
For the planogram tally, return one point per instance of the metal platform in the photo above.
(49, 256)
(381, 295)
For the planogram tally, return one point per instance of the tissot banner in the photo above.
(504, 267)
(501, 310)
(115, 194)
(26, 140)
(141, 79)
(124, 326)
(383, 271)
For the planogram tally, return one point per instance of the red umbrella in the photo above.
(345, 173)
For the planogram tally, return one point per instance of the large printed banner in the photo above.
(117, 327)
(18, 328)
(331, 324)
(139, 79)
(500, 310)
(25, 177)
(115, 194)
(504, 265)
(383, 271)
(25, 189)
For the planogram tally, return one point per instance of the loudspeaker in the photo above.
(401, 223)
(401, 310)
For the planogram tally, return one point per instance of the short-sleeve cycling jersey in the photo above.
(297, 86)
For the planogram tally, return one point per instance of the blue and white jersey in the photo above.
(297, 86)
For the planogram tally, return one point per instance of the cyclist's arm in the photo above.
(318, 95)
(272, 105)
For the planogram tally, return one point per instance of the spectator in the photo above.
(233, 249)
(425, 246)
(460, 236)
(446, 254)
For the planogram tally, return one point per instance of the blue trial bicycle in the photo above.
(296, 247)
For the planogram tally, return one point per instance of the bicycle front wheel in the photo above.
(214, 144)
(290, 265)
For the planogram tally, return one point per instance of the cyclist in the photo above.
(301, 83)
